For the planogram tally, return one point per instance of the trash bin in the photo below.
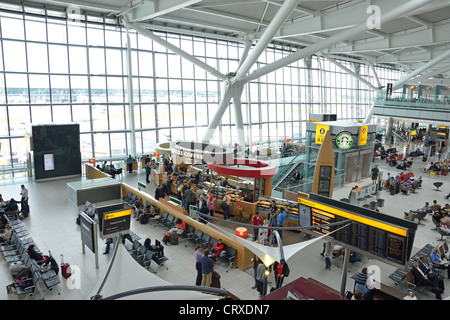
(373, 205)
(380, 202)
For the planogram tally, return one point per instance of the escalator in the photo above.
(287, 179)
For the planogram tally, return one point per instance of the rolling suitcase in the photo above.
(65, 268)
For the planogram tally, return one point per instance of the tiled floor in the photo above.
(52, 225)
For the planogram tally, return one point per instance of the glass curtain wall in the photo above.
(58, 70)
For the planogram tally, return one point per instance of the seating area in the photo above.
(191, 236)
(196, 232)
(150, 257)
(403, 183)
(404, 280)
(15, 253)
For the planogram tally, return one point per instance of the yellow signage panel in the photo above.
(354, 217)
(363, 135)
(117, 214)
(321, 129)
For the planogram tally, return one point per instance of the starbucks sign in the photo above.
(344, 140)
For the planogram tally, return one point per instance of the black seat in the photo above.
(437, 185)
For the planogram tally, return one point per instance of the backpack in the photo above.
(142, 219)
(173, 238)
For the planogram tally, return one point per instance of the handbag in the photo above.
(223, 205)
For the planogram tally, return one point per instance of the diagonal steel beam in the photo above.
(352, 73)
(419, 70)
(342, 36)
(173, 48)
(282, 14)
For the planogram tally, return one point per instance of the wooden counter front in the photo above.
(243, 255)
(93, 173)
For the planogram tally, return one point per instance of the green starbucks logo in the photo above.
(344, 140)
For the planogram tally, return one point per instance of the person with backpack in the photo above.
(281, 271)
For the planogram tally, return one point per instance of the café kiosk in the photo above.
(243, 255)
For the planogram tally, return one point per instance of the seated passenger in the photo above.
(148, 212)
(425, 208)
(217, 248)
(178, 229)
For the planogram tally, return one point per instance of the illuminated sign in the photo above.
(344, 140)
(116, 221)
(383, 236)
(347, 215)
(363, 135)
(321, 129)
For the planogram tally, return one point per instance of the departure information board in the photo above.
(380, 238)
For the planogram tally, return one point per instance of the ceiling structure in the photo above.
(416, 41)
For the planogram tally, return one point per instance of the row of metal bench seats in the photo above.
(130, 198)
(400, 274)
(15, 252)
(195, 237)
(147, 258)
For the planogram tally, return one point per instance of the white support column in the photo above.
(283, 13)
(219, 113)
(130, 97)
(372, 68)
(237, 93)
(342, 36)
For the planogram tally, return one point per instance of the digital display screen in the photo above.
(49, 162)
(395, 248)
(324, 187)
(304, 215)
(322, 218)
(325, 172)
(366, 233)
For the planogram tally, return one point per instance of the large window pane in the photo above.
(78, 60)
(37, 57)
(17, 88)
(58, 59)
(14, 55)
(57, 31)
(116, 117)
(39, 89)
(35, 29)
(12, 27)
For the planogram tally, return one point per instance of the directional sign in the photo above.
(116, 221)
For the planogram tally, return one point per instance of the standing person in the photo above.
(108, 242)
(272, 211)
(328, 250)
(361, 280)
(374, 172)
(24, 194)
(281, 220)
(211, 206)
(281, 270)
(159, 192)
(130, 161)
(207, 268)
(147, 171)
(198, 264)
(188, 198)
(256, 221)
(226, 207)
(260, 278)
(169, 184)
